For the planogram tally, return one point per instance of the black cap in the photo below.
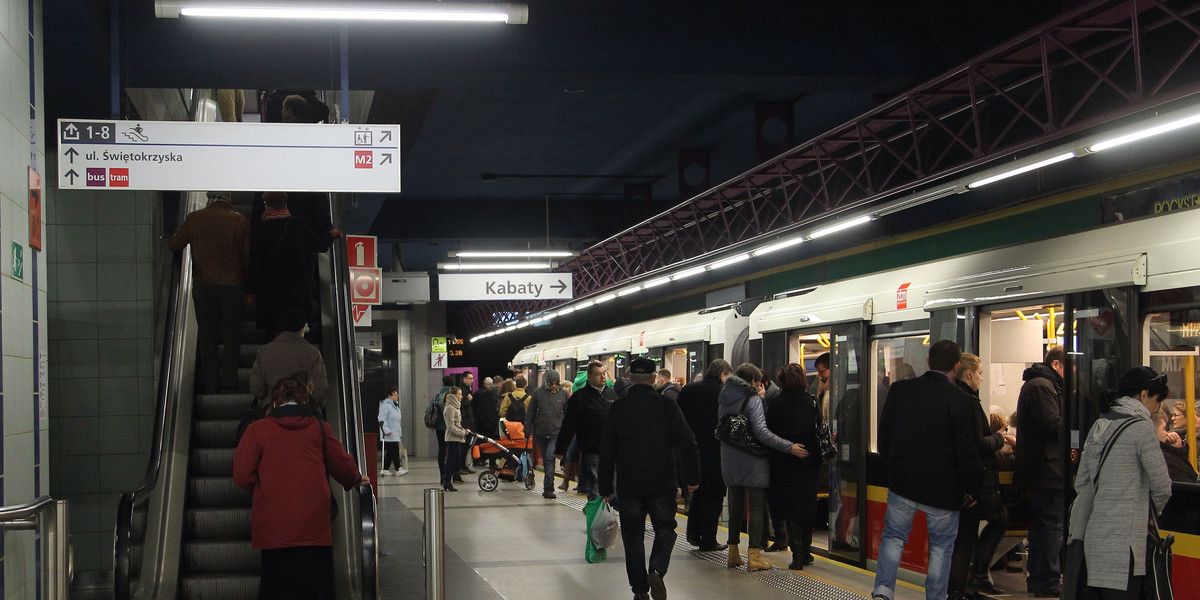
(642, 366)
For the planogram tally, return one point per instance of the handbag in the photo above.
(734, 429)
(825, 439)
(1075, 569)
(1157, 584)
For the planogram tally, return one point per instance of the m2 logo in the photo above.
(364, 159)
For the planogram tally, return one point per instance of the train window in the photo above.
(896, 359)
(1171, 340)
(804, 349)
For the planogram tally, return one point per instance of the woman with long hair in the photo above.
(793, 414)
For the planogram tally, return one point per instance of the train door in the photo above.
(847, 475)
(616, 364)
(565, 368)
(683, 361)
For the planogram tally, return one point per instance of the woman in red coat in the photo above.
(285, 460)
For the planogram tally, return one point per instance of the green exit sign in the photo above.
(18, 261)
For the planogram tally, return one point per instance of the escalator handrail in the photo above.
(129, 500)
(352, 418)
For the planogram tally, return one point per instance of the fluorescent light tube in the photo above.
(847, 224)
(725, 262)
(1145, 133)
(566, 311)
(1019, 170)
(605, 298)
(519, 266)
(689, 272)
(656, 282)
(633, 290)
(512, 254)
(515, 14)
(778, 246)
(522, 324)
(585, 304)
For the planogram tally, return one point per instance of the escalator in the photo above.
(185, 532)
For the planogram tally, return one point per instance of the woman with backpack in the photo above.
(514, 403)
(435, 420)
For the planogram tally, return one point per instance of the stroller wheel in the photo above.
(529, 481)
(488, 481)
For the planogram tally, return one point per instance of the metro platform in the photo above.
(512, 544)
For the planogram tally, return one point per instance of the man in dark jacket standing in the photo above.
(466, 382)
(543, 420)
(928, 449)
(583, 419)
(644, 436)
(667, 387)
(698, 403)
(1038, 468)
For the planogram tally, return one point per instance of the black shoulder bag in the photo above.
(734, 429)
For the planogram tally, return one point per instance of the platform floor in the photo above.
(512, 544)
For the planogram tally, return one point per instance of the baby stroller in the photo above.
(508, 457)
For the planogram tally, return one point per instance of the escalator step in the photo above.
(252, 335)
(216, 492)
(219, 587)
(217, 524)
(244, 378)
(247, 355)
(220, 557)
(221, 406)
(215, 434)
(211, 462)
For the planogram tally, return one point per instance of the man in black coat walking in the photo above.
(644, 436)
(583, 419)
(698, 403)
(928, 448)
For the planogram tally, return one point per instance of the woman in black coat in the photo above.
(794, 415)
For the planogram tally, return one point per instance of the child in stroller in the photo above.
(508, 457)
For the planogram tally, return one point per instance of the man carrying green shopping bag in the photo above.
(644, 437)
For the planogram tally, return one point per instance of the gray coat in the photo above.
(1111, 519)
(287, 353)
(544, 414)
(739, 468)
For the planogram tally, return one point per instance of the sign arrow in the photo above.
(72, 175)
(386, 135)
(387, 158)
(71, 153)
(71, 131)
(561, 287)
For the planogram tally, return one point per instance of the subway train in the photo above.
(1114, 297)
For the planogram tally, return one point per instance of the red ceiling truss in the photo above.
(1095, 65)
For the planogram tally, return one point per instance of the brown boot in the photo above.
(569, 471)
(756, 563)
(735, 557)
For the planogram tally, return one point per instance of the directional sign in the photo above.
(184, 155)
(505, 286)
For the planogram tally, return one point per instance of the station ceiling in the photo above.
(520, 135)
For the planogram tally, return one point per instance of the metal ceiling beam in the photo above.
(1092, 66)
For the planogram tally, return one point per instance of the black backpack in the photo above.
(516, 408)
(433, 414)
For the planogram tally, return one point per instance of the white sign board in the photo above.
(371, 340)
(505, 286)
(260, 157)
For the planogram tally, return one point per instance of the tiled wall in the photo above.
(101, 253)
(22, 337)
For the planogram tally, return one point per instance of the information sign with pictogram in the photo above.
(361, 250)
(366, 285)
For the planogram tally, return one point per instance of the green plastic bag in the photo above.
(591, 553)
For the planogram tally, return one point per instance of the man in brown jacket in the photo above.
(287, 353)
(220, 241)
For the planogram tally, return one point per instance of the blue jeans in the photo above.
(633, 513)
(546, 447)
(942, 525)
(1045, 539)
(589, 474)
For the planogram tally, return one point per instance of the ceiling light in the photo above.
(847, 224)
(778, 246)
(513, 14)
(520, 266)
(633, 290)
(605, 298)
(1019, 170)
(522, 324)
(688, 272)
(1145, 133)
(511, 254)
(916, 200)
(656, 282)
(566, 311)
(725, 262)
(583, 305)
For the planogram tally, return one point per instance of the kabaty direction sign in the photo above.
(505, 286)
(190, 156)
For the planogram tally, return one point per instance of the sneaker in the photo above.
(385, 473)
(400, 472)
(658, 590)
(549, 495)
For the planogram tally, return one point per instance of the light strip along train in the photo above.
(1114, 297)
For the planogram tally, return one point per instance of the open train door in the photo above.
(847, 421)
